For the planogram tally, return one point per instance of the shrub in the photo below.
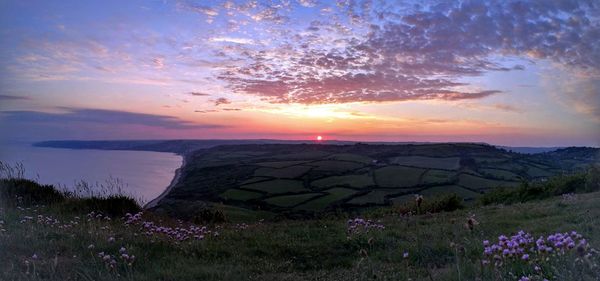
(588, 181)
(27, 192)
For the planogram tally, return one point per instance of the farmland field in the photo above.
(290, 200)
(397, 176)
(450, 163)
(333, 195)
(437, 176)
(321, 178)
(241, 195)
(479, 183)
(290, 172)
(277, 186)
(357, 181)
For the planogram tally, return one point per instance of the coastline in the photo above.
(154, 202)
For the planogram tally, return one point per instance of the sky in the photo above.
(517, 73)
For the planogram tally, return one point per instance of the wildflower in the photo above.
(91, 246)
(122, 250)
(525, 257)
(419, 200)
(35, 257)
(471, 222)
(111, 239)
(405, 255)
(524, 278)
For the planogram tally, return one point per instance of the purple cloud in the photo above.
(417, 52)
(221, 101)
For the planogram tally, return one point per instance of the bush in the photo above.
(116, 205)
(27, 193)
(588, 181)
(443, 203)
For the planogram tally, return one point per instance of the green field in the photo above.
(277, 186)
(356, 181)
(397, 176)
(450, 163)
(291, 172)
(290, 200)
(335, 166)
(334, 194)
(437, 176)
(280, 164)
(448, 189)
(240, 195)
(352, 158)
(500, 174)
(375, 197)
(479, 183)
(287, 169)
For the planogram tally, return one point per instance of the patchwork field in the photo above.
(315, 178)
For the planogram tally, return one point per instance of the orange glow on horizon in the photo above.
(319, 138)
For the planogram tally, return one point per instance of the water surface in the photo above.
(143, 174)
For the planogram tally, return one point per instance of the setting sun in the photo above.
(319, 138)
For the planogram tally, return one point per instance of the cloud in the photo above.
(221, 101)
(231, 109)
(101, 116)
(493, 107)
(396, 52)
(199, 94)
(11, 97)
(233, 40)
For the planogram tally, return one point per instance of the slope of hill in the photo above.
(305, 179)
(45, 237)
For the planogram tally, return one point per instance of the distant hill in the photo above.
(184, 146)
(297, 179)
(529, 150)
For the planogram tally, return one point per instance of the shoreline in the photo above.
(153, 203)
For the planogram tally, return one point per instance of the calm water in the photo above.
(144, 174)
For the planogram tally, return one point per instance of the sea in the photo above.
(143, 175)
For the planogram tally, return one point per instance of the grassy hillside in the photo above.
(307, 179)
(49, 235)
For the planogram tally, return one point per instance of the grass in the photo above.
(356, 181)
(277, 186)
(64, 244)
(396, 176)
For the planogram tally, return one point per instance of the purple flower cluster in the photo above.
(111, 261)
(179, 233)
(522, 246)
(2, 230)
(358, 226)
(50, 221)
